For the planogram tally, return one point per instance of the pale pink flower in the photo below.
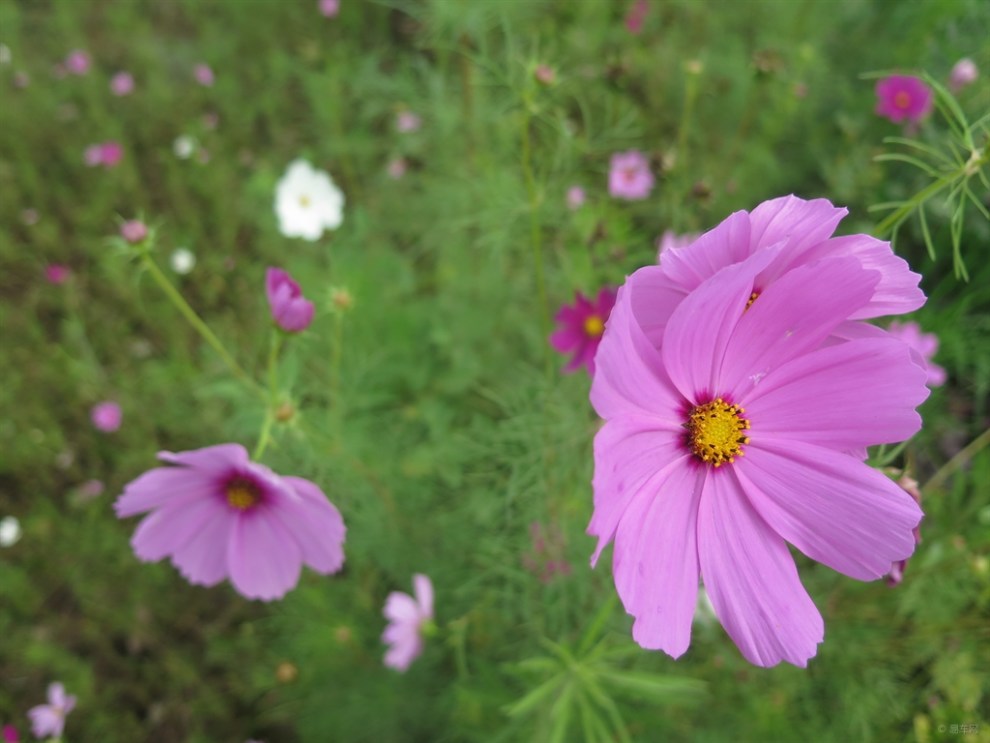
(57, 273)
(575, 198)
(629, 176)
(545, 74)
(330, 8)
(406, 121)
(670, 240)
(290, 309)
(134, 231)
(217, 514)
(397, 167)
(106, 416)
(48, 720)
(203, 75)
(78, 62)
(407, 617)
(925, 345)
(963, 73)
(903, 98)
(122, 83)
(580, 327)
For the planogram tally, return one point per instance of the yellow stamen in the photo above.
(304, 201)
(752, 298)
(594, 327)
(242, 494)
(716, 432)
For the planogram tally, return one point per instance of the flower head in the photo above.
(217, 514)
(10, 531)
(48, 720)
(184, 146)
(134, 231)
(122, 84)
(291, 311)
(107, 154)
(406, 121)
(57, 273)
(397, 167)
(575, 198)
(203, 75)
(580, 328)
(106, 416)
(734, 426)
(330, 8)
(10, 734)
(963, 73)
(77, 62)
(925, 345)
(407, 617)
(182, 261)
(903, 98)
(307, 201)
(629, 176)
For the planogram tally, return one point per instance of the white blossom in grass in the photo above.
(307, 201)
(10, 531)
(184, 147)
(182, 261)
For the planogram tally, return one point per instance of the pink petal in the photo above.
(164, 486)
(654, 297)
(630, 451)
(792, 317)
(203, 559)
(859, 393)
(423, 588)
(751, 579)
(167, 530)
(566, 339)
(315, 524)
(401, 608)
(655, 561)
(800, 224)
(722, 246)
(833, 508)
(264, 560)
(219, 459)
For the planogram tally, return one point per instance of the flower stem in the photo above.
(266, 427)
(534, 229)
(957, 461)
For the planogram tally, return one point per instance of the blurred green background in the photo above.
(440, 424)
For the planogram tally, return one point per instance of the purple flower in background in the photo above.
(406, 121)
(134, 231)
(106, 416)
(575, 198)
(738, 433)
(903, 98)
(108, 154)
(580, 328)
(48, 720)
(10, 734)
(407, 617)
(292, 312)
(963, 73)
(122, 83)
(57, 273)
(629, 176)
(77, 62)
(636, 16)
(217, 514)
(203, 75)
(925, 345)
(330, 8)
(670, 240)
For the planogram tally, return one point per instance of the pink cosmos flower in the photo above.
(407, 121)
(48, 720)
(217, 514)
(10, 734)
(545, 74)
(903, 98)
(330, 8)
(203, 75)
(670, 240)
(629, 176)
(108, 154)
(134, 231)
(21, 79)
(963, 73)
(407, 617)
(292, 312)
(397, 167)
(106, 416)
(57, 273)
(636, 16)
(924, 344)
(575, 198)
(580, 328)
(736, 434)
(77, 62)
(122, 83)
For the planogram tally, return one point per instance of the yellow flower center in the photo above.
(752, 298)
(242, 494)
(902, 99)
(304, 201)
(716, 432)
(594, 327)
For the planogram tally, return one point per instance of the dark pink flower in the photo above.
(134, 231)
(10, 734)
(106, 416)
(122, 83)
(963, 73)
(108, 154)
(636, 16)
(203, 75)
(48, 720)
(903, 98)
(217, 514)
(580, 328)
(407, 617)
(77, 62)
(629, 176)
(924, 344)
(57, 273)
(292, 312)
(330, 8)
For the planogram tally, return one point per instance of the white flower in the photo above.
(182, 260)
(184, 146)
(10, 531)
(307, 201)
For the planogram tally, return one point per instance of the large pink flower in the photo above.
(217, 514)
(734, 437)
(407, 617)
(580, 329)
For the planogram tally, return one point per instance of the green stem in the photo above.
(201, 327)
(335, 357)
(957, 461)
(266, 427)
(534, 229)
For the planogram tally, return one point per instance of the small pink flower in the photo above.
(122, 83)
(203, 75)
(108, 154)
(407, 617)
(575, 198)
(330, 8)
(217, 514)
(10, 734)
(580, 329)
(134, 231)
(397, 167)
(545, 74)
(636, 16)
(48, 720)
(21, 79)
(963, 73)
(57, 273)
(671, 241)
(924, 346)
(407, 121)
(292, 312)
(903, 98)
(106, 416)
(629, 176)
(77, 62)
